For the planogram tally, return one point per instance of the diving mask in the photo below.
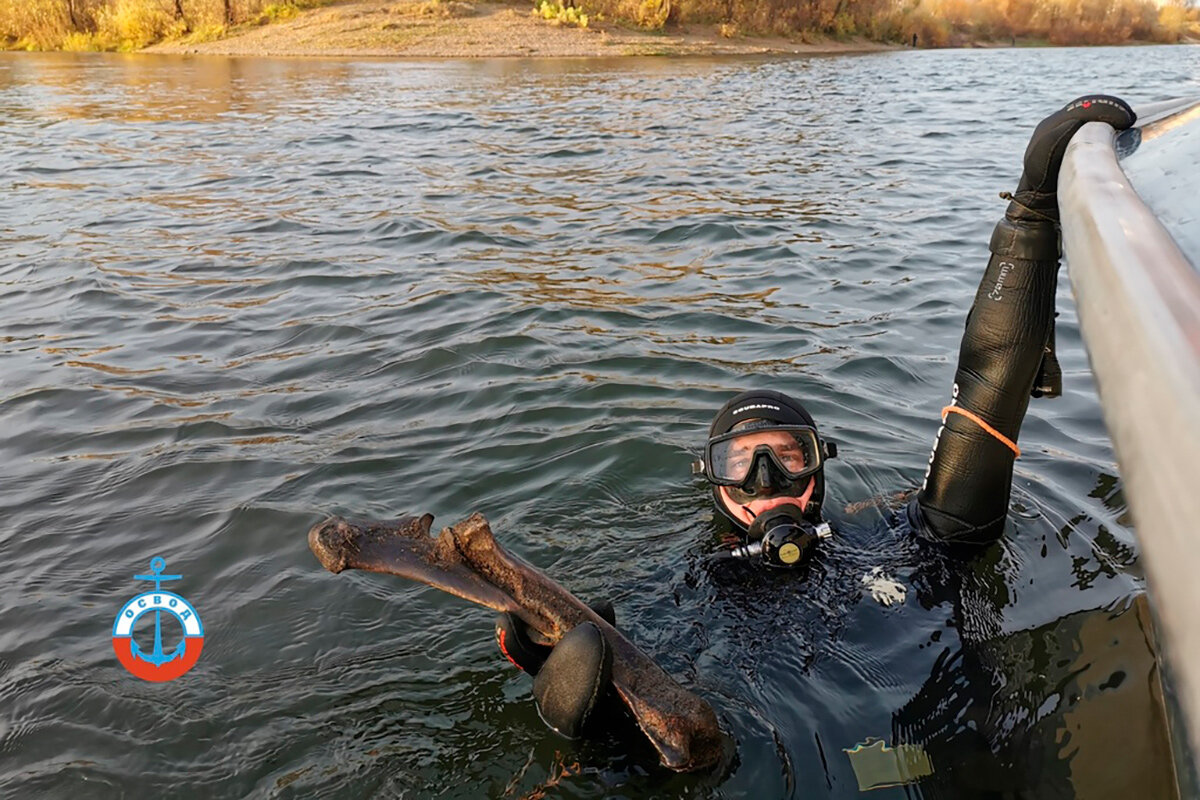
(735, 458)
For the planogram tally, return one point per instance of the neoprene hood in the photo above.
(779, 408)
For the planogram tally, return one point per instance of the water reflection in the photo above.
(1071, 709)
(139, 88)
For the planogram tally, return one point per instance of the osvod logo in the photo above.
(158, 664)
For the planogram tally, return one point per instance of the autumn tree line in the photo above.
(943, 23)
(132, 24)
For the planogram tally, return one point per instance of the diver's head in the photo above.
(763, 452)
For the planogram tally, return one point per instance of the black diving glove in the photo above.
(1036, 198)
(571, 678)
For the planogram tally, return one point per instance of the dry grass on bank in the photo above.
(134, 24)
(936, 23)
(126, 25)
(1059, 22)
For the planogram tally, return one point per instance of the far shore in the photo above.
(464, 29)
(454, 29)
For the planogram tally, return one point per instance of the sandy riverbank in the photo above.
(462, 29)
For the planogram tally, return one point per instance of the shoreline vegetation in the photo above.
(489, 28)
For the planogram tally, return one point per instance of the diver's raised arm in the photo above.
(1007, 349)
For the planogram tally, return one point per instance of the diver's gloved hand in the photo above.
(570, 678)
(1036, 198)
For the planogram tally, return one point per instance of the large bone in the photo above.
(465, 560)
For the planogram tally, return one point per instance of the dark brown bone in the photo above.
(465, 560)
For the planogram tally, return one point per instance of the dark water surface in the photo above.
(237, 295)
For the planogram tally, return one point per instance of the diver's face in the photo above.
(745, 508)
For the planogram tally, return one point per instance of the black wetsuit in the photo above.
(1007, 348)
(1005, 357)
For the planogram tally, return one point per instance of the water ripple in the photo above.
(240, 294)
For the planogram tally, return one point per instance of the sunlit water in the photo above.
(238, 295)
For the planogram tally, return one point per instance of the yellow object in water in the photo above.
(877, 766)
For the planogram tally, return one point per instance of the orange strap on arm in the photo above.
(971, 415)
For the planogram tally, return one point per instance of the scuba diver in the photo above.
(765, 457)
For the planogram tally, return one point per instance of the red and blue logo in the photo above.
(158, 664)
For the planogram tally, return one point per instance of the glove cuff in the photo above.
(514, 642)
(1025, 239)
(1031, 206)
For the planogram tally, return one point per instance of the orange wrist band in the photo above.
(1004, 440)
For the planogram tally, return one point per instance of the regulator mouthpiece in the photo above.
(782, 537)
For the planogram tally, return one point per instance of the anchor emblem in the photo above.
(158, 665)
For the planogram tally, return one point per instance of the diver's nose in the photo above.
(762, 479)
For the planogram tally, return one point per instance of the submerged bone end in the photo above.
(690, 749)
(684, 730)
(707, 747)
(330, 541)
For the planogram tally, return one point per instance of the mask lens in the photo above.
(793, 449)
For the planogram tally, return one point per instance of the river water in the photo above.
(237, 295)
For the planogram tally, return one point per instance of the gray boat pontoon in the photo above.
(1130, 209)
